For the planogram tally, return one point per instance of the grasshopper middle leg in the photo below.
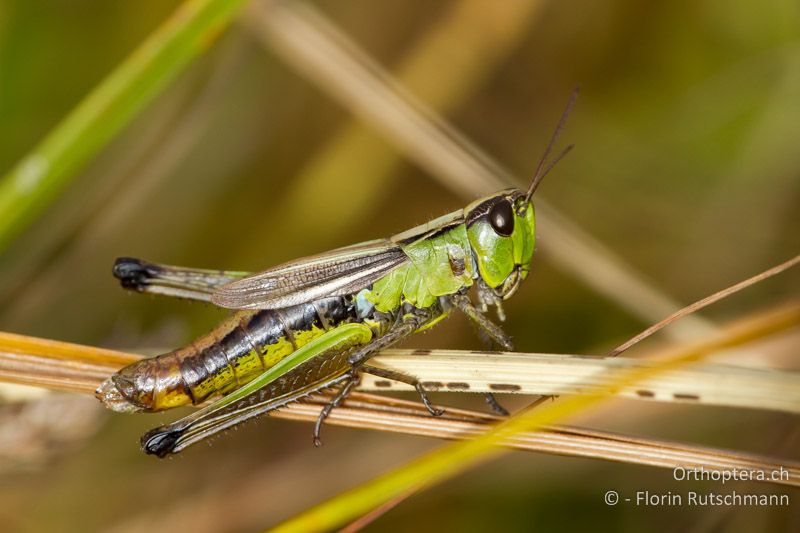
(490, 333)
(408, 326)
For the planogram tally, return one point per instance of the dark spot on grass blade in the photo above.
(684, 396)
(504, 387)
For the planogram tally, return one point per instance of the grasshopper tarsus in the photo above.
(331, 405)
(495, 405)
(434, 411)
(132, 273)
(160, 441)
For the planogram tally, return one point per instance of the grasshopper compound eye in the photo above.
(501, 217)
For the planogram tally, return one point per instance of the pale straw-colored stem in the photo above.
(68, 367)
(79, 368)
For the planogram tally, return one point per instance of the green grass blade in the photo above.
(37, 179)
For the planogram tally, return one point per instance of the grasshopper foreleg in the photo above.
(492, 330)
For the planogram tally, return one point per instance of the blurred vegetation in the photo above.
(686, 165)
(40, 176)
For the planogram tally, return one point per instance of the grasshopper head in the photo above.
(501, 232)
(501, 227)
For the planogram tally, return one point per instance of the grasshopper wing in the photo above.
(335, 273)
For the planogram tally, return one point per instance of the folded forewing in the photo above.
(335, 273)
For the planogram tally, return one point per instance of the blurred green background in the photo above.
(686, 167)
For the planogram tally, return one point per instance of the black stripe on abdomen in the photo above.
(250, 342)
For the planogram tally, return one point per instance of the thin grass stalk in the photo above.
(705, 302)
(474, 43)
(367, 411)
(310, 42)
(28, 188)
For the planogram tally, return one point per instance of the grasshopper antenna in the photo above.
(543, 168)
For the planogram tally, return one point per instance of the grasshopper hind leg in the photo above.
(495, 405)
(344, 392)
(166, 280)
(337, 400)
(357, 361)
(160, 442)
(347, 388)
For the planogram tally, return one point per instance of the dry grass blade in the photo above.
(693, 308)
(27, 361)
(21, 344)
(520, 373)
(368, 411)
(312, 44)
(452, 459)
(554, 375)
(474, 43)
(80, 368)
(57, 365)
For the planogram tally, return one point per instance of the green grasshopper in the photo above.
(314, 323)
